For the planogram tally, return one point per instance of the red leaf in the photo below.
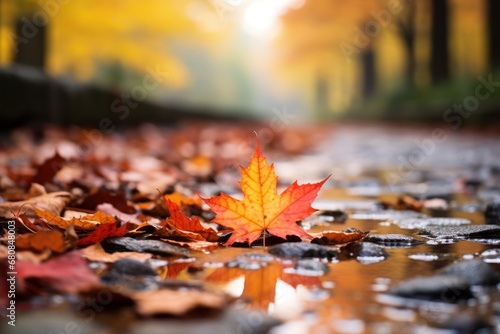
(67, 274)
(180, 221)
(103, 232)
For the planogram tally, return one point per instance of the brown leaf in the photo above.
(110, 210)
(52, 202)
(41, 241)
(85, 223)
(26, 223)
(36, 189)
(171, 232)
(200, 246)
(177, 302)
(337, 237)
(97, 253)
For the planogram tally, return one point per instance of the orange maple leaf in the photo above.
(262, 209)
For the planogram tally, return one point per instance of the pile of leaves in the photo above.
(146, 198)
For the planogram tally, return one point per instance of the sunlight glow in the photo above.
(261, 17)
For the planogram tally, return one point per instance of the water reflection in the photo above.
(269, 287)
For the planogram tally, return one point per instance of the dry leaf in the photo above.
(338, 237)
(180, 221)
(200, 246)
(85, 223)
(41, 241)
(48, 169)
(181, 200)
(103, 232)
(97, 253)
(52, 202)
(262, 209)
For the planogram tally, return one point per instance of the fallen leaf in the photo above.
(262, 209)
(85, 223)
(26, 223)
(110, 210)
(177, 302)
(182, 222)
(41, 241)
(181, 200)
(67, 273)
(48, 169)
(97, 253)
(103, 232)
(200, 246)
(338, 237)
(35, 190)
(117, 199)
(52, 202)
(169, 231)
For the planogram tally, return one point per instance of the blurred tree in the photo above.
(369, 72)
(494, 33)
(31, 42)
(439, 42)
(406, 28)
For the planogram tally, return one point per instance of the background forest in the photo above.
(317, 59)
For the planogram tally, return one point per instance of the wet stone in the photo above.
(492, 213)
(438, 288)
(475, 272)
(129, 272)
(337, 215)
(132, 267)
(303, 250)
(157, 247)
(491, 255)
(246, 264)
(365, 252)
(468, 324)
(309, 267)
(424, 222)
(471, 231)
(392, 240)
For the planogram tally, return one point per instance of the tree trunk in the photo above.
(439, 41)
(31, 42)
(494, 33)
(369, 73)
(407, 31)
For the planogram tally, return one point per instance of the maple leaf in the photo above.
(182, 222)
(262, 209)
(103, 232)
